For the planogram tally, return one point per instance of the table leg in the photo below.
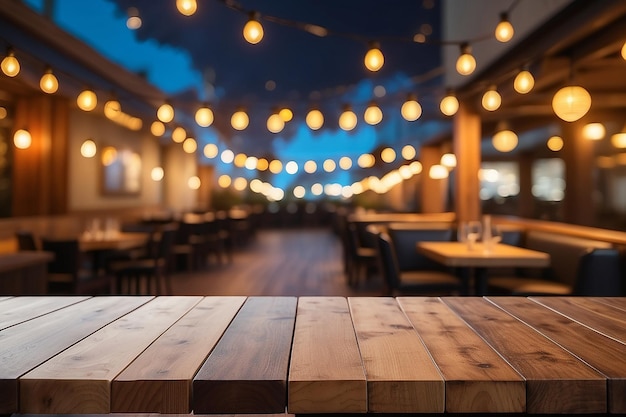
(480, 281)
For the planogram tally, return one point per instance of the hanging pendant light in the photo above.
(87, 100)
(491, 99)
(204, 116)
(10, 65)
(314, 119)
(411, 110)
(186, 7)
(165, 113)
(373, 114)
(465, 63)
(239, 120)
(22, 139)
(253, 30)
(524, 82)
(504, 140)
(571, 103)
(347, 120)
(449, 104)
(504, 31)
(374, 58)
(48, 82)
(275, 123)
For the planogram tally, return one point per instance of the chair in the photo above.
(155, 268)
(70, 272)
(361, 259)
(25, 240)
(424, 282)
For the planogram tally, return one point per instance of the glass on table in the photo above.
(470, 233)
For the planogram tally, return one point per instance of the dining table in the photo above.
(312, 355)
(474, 260)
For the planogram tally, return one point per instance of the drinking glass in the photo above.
(470, 232)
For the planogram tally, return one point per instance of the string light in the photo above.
(524, 82)
(505, 140)
(504, 30)
(48, 82)
(239, 120)
(133, 22)
(555, 143)
(22, 139)
(165, 113)
(179, 134)
(374, 58)
(347, 119)
(465, 63)
(571, 103)
(186, 7)
(204, 116)
(157, 128)
(411, 110)
(87, 100)
(253, 30)
(275, 123)
(88, 149)
(594, 131)
(373, 114)
(10, 65)
(449, 105)
(491, 99)
(314, 119)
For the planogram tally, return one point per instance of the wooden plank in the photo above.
(592, 347)
(617, 302)
(325, 374)
(401, 376)
(477, 379)
(78, 380)
(152, 384)
(599, 316)
(247, 370)
(21, 309)
(26, 345)
(556, 381)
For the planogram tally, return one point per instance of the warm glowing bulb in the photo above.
(314, 119)
(134, 21)
(285, 114)
(619, 140)
(408, 152)
(373, 114)
(157, 128)
(504, 141)
(49, 83)
(449, 105)
(555, 143)
(310, 167)
(204, 116)
(347, 120)
(186, 7)
(411, 110)
(594, 131)
(345, 163)
(388, 155)
(524, 82)
(571, 103)
(190, 145)
(179, 134)
(624, 51)
(275, 123)
(210, 150)
(374, 59)
(491, 99)
(438, 172)
(466, 63)
(165, 113)
(504, 30)
(239, 120)
(448, 160)
(88, 148)
(253, 31)
(22, 139)
(112, 109)
(87, 100)
(10, 65)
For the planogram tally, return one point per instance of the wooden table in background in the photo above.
(24, 273)
(312, 355)
(457, 255)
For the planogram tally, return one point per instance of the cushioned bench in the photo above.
(578, 266)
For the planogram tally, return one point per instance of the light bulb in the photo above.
(22, 139)
(87, 100)
(524, 82)
(438, 172)
(112, 109)
(204, 116)
(347, 120)
(179, 134)
(275, 123)
(374, 58)
(466, 63)
(239, 120)
(49, 83)
(314, 119)
(411, 110)
(504, 30)
(555, 143)
(449, 105)
(134, 20)
(253, 30)
(594, 131)
(88, 149)
(504, 141)
(190, 145)
(286, 114)
(624, 51)
(448, 160)
(571, 103)
(165, 113)
(10, 65)
(157, 128)
(491, 99)
(373, 114)
(186, 7)
(157, 174)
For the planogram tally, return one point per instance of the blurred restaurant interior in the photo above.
(297, 115)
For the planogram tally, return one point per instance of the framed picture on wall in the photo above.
(121, 171)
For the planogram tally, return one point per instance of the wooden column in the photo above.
(434, 192)
(578, 154)
(526, 200)
(207, 179)
(466, 145)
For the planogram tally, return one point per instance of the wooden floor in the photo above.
(278, 262)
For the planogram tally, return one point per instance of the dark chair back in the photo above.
(599, 273)
(388, 261)
(405, 241)
(67, 257)
(25, 240)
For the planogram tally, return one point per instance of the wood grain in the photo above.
(21, 309)
(556, 381)
(26, 345)
(78, 380)
(477, 379)
(247, 370)
(617, 302)
(152, 384)
(592, 347)
(325, 374)
(401, 376)
(599, 316)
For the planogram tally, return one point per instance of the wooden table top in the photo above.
(112, 241)
(15, 260)
(310, 355)
(457, 254)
